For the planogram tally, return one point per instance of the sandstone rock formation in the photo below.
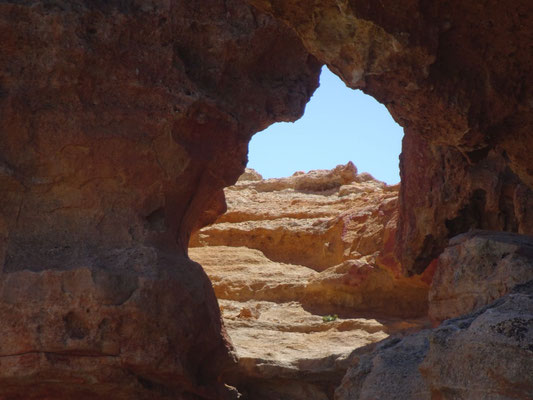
(483, 355)
(122, 121)
(339, 223)
(457, 76)
(120, 333)
(282, 299)
(476, 269)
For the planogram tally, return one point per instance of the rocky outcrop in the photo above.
(122, 121)
(336, 222)
(476, 269)
(390, 371)
(492, 348)
(285, 348)
(456, 75)
(120, 333)
(483, 355)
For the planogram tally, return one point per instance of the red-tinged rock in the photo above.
(121, 122)
(457, 76)
(147, 328)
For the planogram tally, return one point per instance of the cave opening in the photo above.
(305, 260)
(339, 125)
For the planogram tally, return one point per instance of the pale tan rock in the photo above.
(476, 269)
(346, 232)
(284, 222)
(287, 352)
(332, 252)
(242, 274)
(364, 286)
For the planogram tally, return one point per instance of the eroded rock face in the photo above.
(336, 222)
(476, 269)
(123, 120)
(118, 333)
(456, 75)
(275, 285)
(483, 355)
(493, 348)
(388, 372)
(121, 124)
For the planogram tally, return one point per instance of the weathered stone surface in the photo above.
(483, 355)
(457, 76)
(388, 372)
(286, 217)
(265, 302)
(476, 269)
(438, 202)
(121, 121)
(337, 222)
(242, 274)
(117, 333)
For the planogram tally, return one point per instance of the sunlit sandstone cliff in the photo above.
(290, 251)
(122, 121)
(338, 223)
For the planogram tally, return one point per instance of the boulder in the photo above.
(482, 355)
(477, 268)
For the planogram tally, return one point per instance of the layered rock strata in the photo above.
(337, 222)
(123, 120)
(456, 75)
(271, 272)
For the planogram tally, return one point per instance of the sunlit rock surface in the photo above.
(457, 76)
(122, 121)
(270, 268)
(336, 222)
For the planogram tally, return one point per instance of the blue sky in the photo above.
(339, 125)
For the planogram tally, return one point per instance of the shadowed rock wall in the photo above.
(121, 122)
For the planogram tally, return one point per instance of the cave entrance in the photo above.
(303, 265)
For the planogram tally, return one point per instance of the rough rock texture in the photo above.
(493, 349)
(266, 302)
(93, 329)
(121, 121)
(476, 269)
(483, 355)
(388, 372)
(284, 348)
(457, 76)
(337, 222)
